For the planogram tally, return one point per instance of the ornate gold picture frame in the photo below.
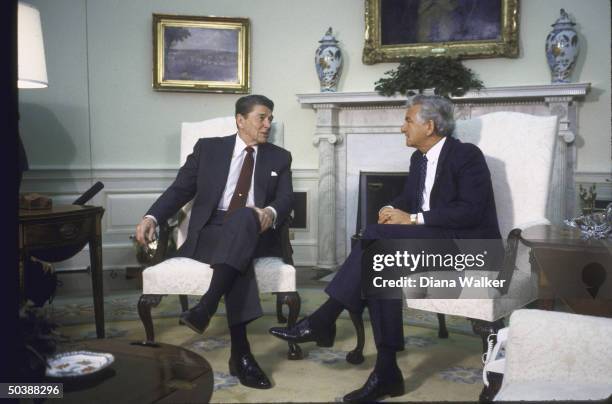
(458, 28)
(202, 54)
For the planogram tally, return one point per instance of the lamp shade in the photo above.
(32, 69)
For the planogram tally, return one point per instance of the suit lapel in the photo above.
(261, 175)
(446, 148)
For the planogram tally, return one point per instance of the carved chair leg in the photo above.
(184, 307)
(145, 303)
(484, 329)
(442, 331)
(184, 303)
(293, 301)
(355, 356)
(280, 317)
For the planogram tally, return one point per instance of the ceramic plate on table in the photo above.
(78, 363)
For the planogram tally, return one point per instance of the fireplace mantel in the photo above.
(339, 115)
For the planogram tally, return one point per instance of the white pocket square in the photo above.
(273, 174)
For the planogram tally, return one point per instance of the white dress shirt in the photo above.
(433, 155)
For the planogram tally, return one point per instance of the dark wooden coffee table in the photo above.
(141, 374)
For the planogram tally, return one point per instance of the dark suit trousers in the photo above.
(385, 314)
(233, 241)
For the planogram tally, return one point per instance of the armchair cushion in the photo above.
(185, 276)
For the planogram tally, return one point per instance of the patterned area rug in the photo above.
(434, 369)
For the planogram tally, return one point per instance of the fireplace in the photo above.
(376, 189)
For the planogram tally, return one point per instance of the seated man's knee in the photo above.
(372, 231)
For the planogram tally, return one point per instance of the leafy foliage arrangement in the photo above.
(447, 76)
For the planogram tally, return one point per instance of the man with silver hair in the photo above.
(447, 195)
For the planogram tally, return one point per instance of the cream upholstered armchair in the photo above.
(519, 150)
(184, 276)
(553, 356)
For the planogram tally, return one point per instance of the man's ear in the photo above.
(239, 121)
(431, 126)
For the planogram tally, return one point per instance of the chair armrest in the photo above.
(509, 264)
(162, 244)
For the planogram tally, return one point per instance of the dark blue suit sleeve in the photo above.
(283, 200)
(181, 191)
(473, 188)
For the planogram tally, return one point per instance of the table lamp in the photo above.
(31, 73)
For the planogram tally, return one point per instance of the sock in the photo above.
(326, 315)
(222, 280)
(386, 363)
(240, 343)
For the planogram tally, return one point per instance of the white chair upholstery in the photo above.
(519, 152)
(557, 356)
(184, 276)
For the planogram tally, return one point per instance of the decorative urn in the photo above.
(562, 49)
(328, 62)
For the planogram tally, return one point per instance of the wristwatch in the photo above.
(413, 218)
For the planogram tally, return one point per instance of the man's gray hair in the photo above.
(437, 109)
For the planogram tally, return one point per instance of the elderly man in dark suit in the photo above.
(447, 195)
(241, 187)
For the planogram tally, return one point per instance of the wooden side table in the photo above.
(59, 233)
(563, 261)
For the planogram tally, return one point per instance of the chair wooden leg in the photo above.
(184, 303)
(145, 303)
(293, 301)
(355, 356)
(280, 317)
(484, 329)
(442, 331)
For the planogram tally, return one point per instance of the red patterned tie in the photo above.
(243, 185)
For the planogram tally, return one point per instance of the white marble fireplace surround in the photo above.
(360, 131)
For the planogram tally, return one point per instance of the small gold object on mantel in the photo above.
(34, 202)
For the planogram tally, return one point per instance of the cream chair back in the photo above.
(519, 149)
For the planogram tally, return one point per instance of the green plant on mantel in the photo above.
(446, 75)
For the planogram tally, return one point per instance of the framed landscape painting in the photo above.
(456, 28)
(203, 54)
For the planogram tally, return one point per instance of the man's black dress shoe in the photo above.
(303, 332)
(248, 371)
(196, 318)
(375, 389)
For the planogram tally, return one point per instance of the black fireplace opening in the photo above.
(376, 189)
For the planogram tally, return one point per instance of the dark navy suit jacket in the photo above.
(461, 200)
(203, 178)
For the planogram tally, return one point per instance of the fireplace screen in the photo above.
(376, 189)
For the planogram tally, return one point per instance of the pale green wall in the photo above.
(103, 49)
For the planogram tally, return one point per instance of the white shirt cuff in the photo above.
(274, 213)
(386, 206)
(152, 218)
(420, 218)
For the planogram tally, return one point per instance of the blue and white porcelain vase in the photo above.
(328, 61)
(562, 49)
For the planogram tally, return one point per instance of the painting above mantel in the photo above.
(464, 29)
